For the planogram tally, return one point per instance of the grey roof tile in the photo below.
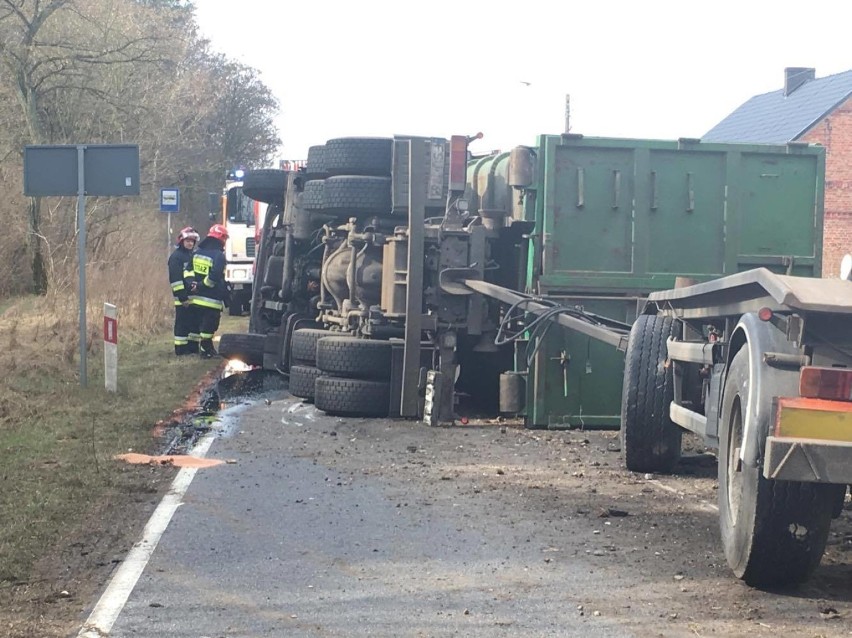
(772, 118)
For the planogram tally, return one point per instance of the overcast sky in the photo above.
(645, 69)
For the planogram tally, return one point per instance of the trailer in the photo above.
(759, 365)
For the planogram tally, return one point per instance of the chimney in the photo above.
(796, 76)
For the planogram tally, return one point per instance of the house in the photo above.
(814, 110)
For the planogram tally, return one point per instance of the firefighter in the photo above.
(208, 265)
(181, 280)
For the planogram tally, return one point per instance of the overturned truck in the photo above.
(358, 294)
(659, 287)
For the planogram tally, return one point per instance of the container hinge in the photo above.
(616, 189)
(690, 187)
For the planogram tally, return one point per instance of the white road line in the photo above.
(124, 579)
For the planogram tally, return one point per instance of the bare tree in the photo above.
(242, 120)
(90, 71)
(51, 55)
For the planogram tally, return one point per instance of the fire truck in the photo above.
(243, 217)
(243, 212)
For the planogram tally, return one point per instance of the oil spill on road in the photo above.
(214, 406)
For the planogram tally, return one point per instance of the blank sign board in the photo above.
(109, 169)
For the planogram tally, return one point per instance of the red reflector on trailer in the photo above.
(764, 314)
(458, 162)
(826, 383)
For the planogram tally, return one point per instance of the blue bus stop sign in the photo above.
(169, 200)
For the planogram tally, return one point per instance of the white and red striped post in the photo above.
(110, 347)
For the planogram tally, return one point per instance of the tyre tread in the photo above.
(651, 442)
(355, 358)
(352, 397)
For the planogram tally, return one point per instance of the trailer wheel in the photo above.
(302, 379)
(358, 156)
(357, 195)
(245, 347)
(303, 345)
(352, 397)
(774, 532)
(266, 185)
(354, 358)
(651, 442)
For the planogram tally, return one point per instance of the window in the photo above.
(240, 208)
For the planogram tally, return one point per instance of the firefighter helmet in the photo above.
(217, 231)
(187, 233)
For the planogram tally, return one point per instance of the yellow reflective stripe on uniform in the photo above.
(207, 302)
(178, 302)
(181, 341)
(177, 285)
(188, 273)
(209, 282)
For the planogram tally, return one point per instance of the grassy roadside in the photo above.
(64, 500)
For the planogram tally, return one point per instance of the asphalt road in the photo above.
(318, 526)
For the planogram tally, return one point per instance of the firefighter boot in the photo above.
(192, 346)
(181, 349)
(206, 349)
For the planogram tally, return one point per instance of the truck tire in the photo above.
(774, 532)
(649, 439)
(313, 195)
(354, 358)
(302, 379)
(352, 397)
(315, 163)
(357, 195)
(245, 347)
(303, 346)
(358, 156)
(266, 185)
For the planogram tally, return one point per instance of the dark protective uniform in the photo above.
(186, 317)
(208, 265)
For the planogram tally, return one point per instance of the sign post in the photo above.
(110, 347)
(82, 170)
(169, 203)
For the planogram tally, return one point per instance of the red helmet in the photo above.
(187, 233)
(217, 231)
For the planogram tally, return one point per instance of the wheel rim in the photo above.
(734, 467)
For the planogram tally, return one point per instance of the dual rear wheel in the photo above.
(343, 376)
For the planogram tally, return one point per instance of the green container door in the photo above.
(574, 380)
(769, 235)
(589, 222)
(680, 218)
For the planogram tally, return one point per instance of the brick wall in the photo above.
(835, 133)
